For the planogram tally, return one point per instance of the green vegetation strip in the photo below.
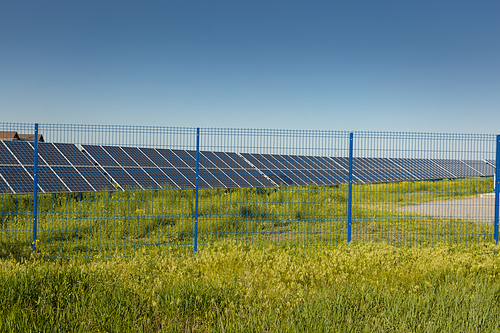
(89, 224)
(231, 287)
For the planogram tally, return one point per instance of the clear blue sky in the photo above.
(430, 66)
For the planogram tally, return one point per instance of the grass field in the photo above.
(233, 287)
(97, 224)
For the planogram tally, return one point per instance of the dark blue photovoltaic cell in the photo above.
(210, 161)
(255, 178)
(258, 161)
(95, 177)
(23, 151)
(161, 178)
(209, 179)
(280, 178)
(223, 178)
(422, 169)
(457, 168)
(120, 156)
(72, 179)
(17, 178)
(6, 158)
(50, 154)
(121, 177)
(100, 156)
(173, 159)
(237, 178)
(73, 154)
(232, 160)
(142, 178)
(184, 178)
(3, 186)
(280, 161)
(157, 158)
(139, 158)
(378, 170)
(48, 180)
(480, 166)
(187, 156)
(313, 176)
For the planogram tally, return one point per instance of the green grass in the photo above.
(104, 222)
(233, 287)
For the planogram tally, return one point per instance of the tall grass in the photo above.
(103, 222)
(233, 287)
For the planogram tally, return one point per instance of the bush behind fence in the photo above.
(258, 186)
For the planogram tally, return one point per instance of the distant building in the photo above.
(13, 136)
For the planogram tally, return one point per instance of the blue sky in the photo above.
(424, 66)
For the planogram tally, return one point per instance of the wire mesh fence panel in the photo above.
(106, 189)
(440, 190)
(280, 187)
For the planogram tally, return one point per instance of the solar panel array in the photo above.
(66, 167)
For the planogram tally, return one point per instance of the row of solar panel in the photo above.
(67, 167)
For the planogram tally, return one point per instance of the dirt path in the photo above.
(479, 209)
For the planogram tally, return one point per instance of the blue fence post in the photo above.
(196, 190)
(349, 207)
(35, 190)
(497, 187)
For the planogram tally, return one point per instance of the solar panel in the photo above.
(139, 157)
(17, 178)
(4, 188)
(480, 166)
(73, 179)
(188, 157)
(161, 178)
(156, 158)
(6, 157)
(457, 168)
(73, 154)
(95, 177)
(22, 151)
(50, 154)
(100, 155)
(183, 178)
(48, 180)
(422, 169)
(142, 178)
(173, 159)
(121, 178)
(119, 156)
(65, 167)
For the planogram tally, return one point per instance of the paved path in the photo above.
(479, 209)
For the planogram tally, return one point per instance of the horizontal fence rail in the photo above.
(93, 190)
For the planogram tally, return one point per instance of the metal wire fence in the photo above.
(94, 190)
